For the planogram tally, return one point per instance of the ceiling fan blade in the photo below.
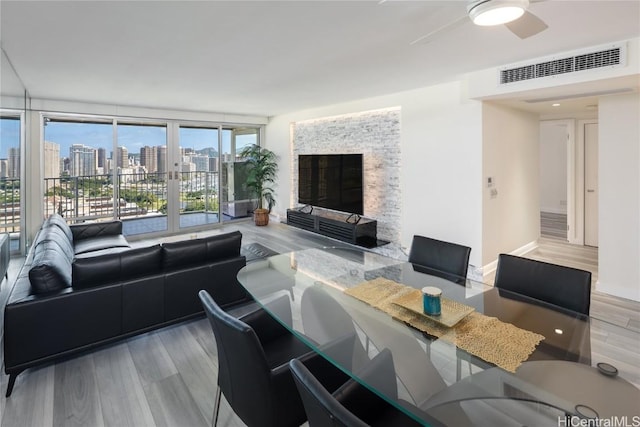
(429, 37)
(527, 25)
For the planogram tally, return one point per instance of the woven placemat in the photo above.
(488, 338)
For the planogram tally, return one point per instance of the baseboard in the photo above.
(617, 291)
(493, 265)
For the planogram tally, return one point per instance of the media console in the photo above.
(335, 225)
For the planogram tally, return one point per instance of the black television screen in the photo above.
(332, 181)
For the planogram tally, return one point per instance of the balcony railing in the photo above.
(9, 205)
(91, 198)
(144, 196)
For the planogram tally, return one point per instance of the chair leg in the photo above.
(458, 369)
(216, 408)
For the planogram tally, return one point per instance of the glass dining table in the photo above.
(491, 358)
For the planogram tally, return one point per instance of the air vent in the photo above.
(611, 57)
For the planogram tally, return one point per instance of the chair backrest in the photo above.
(443, 259)
(326, 321)
(326, 410)
(322, 409)
(565, 287)
(243, 372)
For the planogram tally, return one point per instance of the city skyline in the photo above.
(132, 137)
(86, 148)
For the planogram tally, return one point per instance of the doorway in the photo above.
(569, 181)
(556, 141)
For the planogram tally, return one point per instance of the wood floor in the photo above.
(168, 377)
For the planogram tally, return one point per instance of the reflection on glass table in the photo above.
(526, 363)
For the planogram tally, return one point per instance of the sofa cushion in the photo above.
(141, 262)
(101, 252)
(55, 235)
(223, 246)
(99, 243)
(95, 229)
(57, 221)
(114, 267)
(94, 271)
(50, 269)
(182, 254)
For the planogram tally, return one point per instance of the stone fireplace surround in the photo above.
(374, 134)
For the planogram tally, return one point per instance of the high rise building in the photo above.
(201, 161)
(102, 157)
(149, 158)
(65, 163)
(14, 162)
(4, 168)
(162, 159)
(51, 160)
(122, 157)
(213, 164)
(83, 160)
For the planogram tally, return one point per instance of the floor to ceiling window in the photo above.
(198, 183)
(141, 175)
(78, 166)
(10, 207)
(156, 177)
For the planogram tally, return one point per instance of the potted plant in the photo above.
(262, 166)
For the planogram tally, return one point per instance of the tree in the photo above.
(262, 170)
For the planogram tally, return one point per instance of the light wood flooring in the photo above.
(168, 377)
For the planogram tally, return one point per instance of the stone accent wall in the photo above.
(374, 134)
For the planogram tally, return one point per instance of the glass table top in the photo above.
(480, 369)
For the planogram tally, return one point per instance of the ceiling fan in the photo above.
(511, 13)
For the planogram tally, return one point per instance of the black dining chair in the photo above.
(325, 321)
(439, 258)
(253, 370)
(352, 405)
(564, 287)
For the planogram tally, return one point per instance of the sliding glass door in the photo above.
(140, 171)
(10, 166)
(157, 177)
(237, 200)
(78, 180)
(198, 176)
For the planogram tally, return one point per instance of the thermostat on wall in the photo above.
(491, 181)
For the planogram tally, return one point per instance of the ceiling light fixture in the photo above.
(496, 12)
(555, 105)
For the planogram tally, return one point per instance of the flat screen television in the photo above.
(332, 181)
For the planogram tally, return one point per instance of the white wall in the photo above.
(553, 167)
(619, 201)
(441, 152)
(511, 218)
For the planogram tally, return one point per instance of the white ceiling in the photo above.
(268, 57)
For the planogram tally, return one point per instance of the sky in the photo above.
(133, 137)
(99, 135)
(9, 136)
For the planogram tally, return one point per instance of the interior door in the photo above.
(591, 184)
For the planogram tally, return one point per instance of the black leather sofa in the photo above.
(87, 287)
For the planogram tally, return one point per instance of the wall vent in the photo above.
(613, 56)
